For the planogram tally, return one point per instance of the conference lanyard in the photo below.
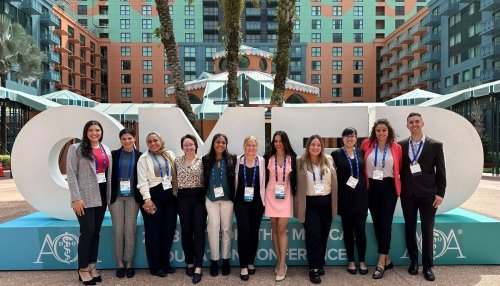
(383, 156)
(104, 161)
(320, 175)
(245, 170)
(120, 169)
(419, 150)
(221, 169)
(167, 172)
(276, 167)
(355, 159)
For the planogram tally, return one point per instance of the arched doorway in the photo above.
(295, 98)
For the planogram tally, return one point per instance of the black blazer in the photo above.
(207, 171)
(432, 181)
(351, 201)
(293, 173)
(115, 182)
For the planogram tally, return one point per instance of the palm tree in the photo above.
(286, 18)
(232, 30)
(166, 34)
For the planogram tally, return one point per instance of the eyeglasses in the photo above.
(352, 136)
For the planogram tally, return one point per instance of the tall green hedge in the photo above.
(5, 159)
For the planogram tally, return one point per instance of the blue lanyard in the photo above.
(245, 170)
(349, 160)
(159, 166)
(130, 162)
(383, 156)
(104, 156)
(220, 170)
(415, 156)
(314, 175)
(276, 167)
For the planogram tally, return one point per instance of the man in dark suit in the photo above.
(423, 181)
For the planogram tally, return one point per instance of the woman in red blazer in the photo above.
(383, 163)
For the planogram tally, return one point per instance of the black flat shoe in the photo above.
(120, 272)
(429, 275)
(389, 266)
(244, 277)
(90, 282)
(197, 277)
(190, 271)
(413, 269)
(170, 270)
(251, 271)
(321, 271)
(130, 272)
(352, 271)
(160, 273)
(226, 267)
(378, 273)
(214, 268)
(97, 278)
(314, 276)
(363, 271)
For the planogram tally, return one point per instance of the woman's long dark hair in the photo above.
(85, 147)
(390, 137)
(286, 144)
(225, 155)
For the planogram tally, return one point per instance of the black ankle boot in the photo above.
(214, 268)
(226, 267)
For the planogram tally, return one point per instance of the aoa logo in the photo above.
(443, 243)
(64, 248)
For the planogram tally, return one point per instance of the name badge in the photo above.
(166, 183)
(378, 174)
(415, 169)
(101, 178)
(248, 196)
(279, 191)
(318, 188)
(218, 192)
(125, 189)
(352, 182)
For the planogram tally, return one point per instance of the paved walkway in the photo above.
(486, 200)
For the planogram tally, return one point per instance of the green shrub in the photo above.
(5, 159)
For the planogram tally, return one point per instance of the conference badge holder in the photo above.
(248, 196)
(218, 192)
(101, 177)
(125, 189)
(352, 182)
(279, 191)
(166, 183)
(378, 175)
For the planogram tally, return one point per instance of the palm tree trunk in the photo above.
(166, 32)
(3, 118)
(232, 27)
(286, 18)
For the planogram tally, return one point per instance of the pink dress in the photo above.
(279, 207)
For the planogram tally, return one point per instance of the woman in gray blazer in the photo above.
(89, 176)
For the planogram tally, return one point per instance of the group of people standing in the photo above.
(206, 191)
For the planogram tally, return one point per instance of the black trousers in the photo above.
(159, 228)
(90, 228)
(317, 225)
(354, 225)
(411, 205)
(382, 202)
(248, 218)
(193, 218)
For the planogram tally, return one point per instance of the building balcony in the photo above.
(408, 54)
(75, 57)
(384, 93)
(385, 52)
(419, 30)
(491, 50)
(405, 86)
(86, 63)
(295, 68)
(296, 54)
(50, 38)
(448, 7)
(418, 65)
(489, 5)
(252, 12)
(431, 20)
(75, 73)
(417, 82)
(385, 66)
(405, 70)
(467, 1)
(51, 75)
(430, 39)
(385, 80)
(394, 91)
(430, 57)
(272, 26)
(96, 68)
(54, 57)
(85, 48)
(271, 12)
(490, 74)
(50, 19)
(431, 75)
(31, 7)
(394, 76)
(420, 48)
(395, 62)
(395, 46)
(60, 32)
(62, 50)
(62, 85)
(406, 39)
(255, 26)
(490, 26)
(73, 40)
(61, 67)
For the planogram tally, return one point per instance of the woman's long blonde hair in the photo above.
(324, 164)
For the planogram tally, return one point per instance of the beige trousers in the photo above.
(220, 217)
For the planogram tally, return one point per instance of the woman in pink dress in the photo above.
(281, 186)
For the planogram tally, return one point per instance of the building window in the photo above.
(126, 92)
(124, 23)
(315, 78)
(147, 37)
(209, 66)
(296, 25)
(210, 52)
(296, 37)
(316, 65)
(337, 51)
(398, 22)
(337, 38)
(357, 91)
(337, 24)
(126, 78)
(358, 24)
(297, 10)
(147, 23)
(167, 79)
(146, 10)
(357, 51)
(357, 65)
(147, 64)
(189, 77)
(147, 51)
(337, 65)
(189, 24)
(358, 37)
(337, 10)
(147, 92)
(189, 66)
(315, 52)
(125, 37)
(336, 78)
(316, 38)
(165, 65)
(125, 51)
(189, 10)
(358, 78)
(336, 92)
(147, 78)
(189, 37)
(124, 9)
(400, 10)
(125, 65)
(316, 10)
(358, 10)
(82, 9)
(316, 24)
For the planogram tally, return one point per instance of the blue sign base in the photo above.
(38, 242)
